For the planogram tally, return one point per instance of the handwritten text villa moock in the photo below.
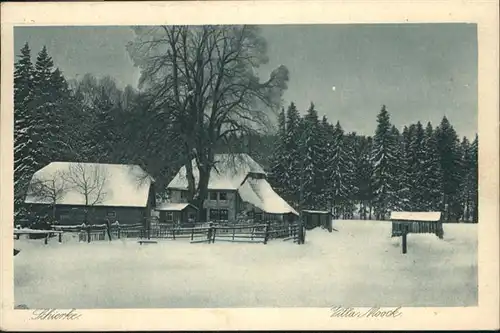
(374, 312)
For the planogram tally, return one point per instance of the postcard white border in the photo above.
(483, 13)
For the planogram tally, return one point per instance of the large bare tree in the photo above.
(90, 181)
(51, 188)
(204, 80)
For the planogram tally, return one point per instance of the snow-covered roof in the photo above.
(416, 216)
(229, 172)
(114, 184)
(259, 193)
(176, 207)
(316, 211)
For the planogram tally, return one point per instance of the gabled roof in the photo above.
(416, 216)
(229, 172)
(234, 172)
(259, 193)
(173, 207)
(119, 184)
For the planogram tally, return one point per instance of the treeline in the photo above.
(316, 165)
(92, 120)
(86, 120)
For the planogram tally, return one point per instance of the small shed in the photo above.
(316, 218)
(177, 213)
(417, 223)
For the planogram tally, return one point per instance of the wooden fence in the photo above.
(295, 234)
(222, 232)
(196, 233)
(99, 232)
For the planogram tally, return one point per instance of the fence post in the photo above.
(209, 232)
(46, 238)
(119, 231)
(60, 237)
(214, 231)
(192, 233)
(234, 229)
(405, 233)
(148, 224)
(266, 237)
(173, 232)
(88, 234)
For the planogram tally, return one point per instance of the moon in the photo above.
(333, 88)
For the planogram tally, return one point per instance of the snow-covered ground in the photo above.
(358, 266)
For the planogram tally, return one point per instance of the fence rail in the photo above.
(201, 232)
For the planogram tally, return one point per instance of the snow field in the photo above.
(361, 265)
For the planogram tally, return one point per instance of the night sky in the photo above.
(420, 71)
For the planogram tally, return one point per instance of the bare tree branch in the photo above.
(207, 77)
(89, 180)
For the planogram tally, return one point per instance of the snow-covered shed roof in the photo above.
(416, 216)
(229, 172)
(316, 211)
(173, 207)
(259, 193)
(119, 185)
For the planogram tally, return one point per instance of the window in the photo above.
(258, 216)
(219, 215)
(63, 213)
(223, 214)
(170, 216)
(213, 196)
(222, 196)
(111, 214)
(214, 215)
(183, 194)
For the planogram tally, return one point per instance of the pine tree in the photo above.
(398, 195)
(383, 160)
(322, 164)
(449, 152)
(44, 108)
(407, 169)
(60, 115)
(278, 167)
(431, 167)
(363, 172)
(311, 179)
(465, 178)
(468, 186)
(350, 143)
(474, 179)
(338, 171)
(292, 157)
(105, 133)
(24, 143)
(415, 159)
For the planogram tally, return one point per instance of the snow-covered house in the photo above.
(67, 191)
(237, 188)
